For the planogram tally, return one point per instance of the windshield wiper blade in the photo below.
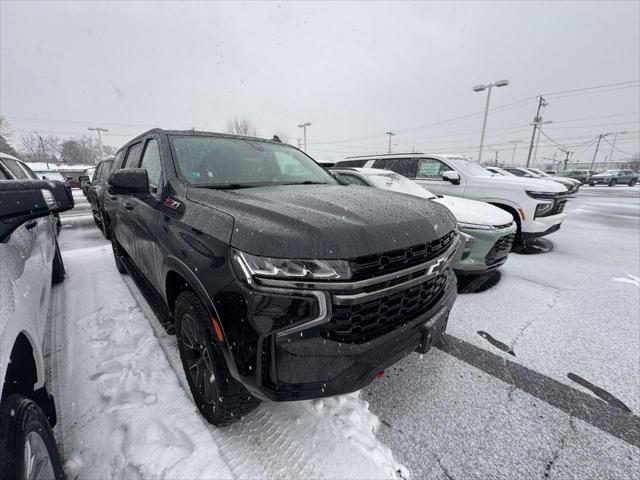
(306, 182)
(229, 186)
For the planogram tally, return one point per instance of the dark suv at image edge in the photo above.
(280, 282)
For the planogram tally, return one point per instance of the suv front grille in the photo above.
(558, 207)
(371, 266)
(500, 249)
(363, 322)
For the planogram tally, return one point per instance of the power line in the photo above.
(596, 87)
(616, 148)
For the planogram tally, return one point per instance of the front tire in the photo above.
(633, 182)
(592, 184)
(612, 182)
(27, 446)
(219, 397)
(117, 250)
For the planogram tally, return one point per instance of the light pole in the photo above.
(496, 151)
(488, 87)
(615, 137)
(98, 130)
(513, 155)
(304, 128)
(391, 134)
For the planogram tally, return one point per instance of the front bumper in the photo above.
(489, 250)
(294, 344)
(541, 226)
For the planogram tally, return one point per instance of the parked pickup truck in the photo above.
(281, 283)
(536, 205)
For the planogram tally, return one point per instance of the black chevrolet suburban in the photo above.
(280, 282)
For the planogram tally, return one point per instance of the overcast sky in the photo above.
(355, 70)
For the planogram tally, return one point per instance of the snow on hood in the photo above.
(532, 184)
(472, 211)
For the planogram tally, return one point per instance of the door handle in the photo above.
(30, 225)
(128, 206)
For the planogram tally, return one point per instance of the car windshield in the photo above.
(501, 171)
(223, 162)
(397, 183)
(469, 167)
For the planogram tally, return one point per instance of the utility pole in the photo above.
(615, 137)
(566, 160)
(304, 126)
(535, 150)
(44, 154)
(391, 134)
(513, 155)
(536, 121)
(98, 130)
(488, 87)
(600, 137)
(496, 151)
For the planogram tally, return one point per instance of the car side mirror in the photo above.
(83, 178)
(23, 200)
(451, 176)
(131, 181)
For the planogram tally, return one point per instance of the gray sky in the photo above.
(355, 70)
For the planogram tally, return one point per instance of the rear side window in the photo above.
(3, 176)
(96, 172)
(15, 169)
(351, 163)
(133, 156)
(28, 170)
(151, 163)
(404, 166)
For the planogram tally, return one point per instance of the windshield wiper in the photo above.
(229, 186)
(306, 182)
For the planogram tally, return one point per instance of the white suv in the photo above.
(537, 205)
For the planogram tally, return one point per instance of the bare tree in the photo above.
(5, 128)
(30, 147)
(282, 135)
(52, 148)
(241, 126)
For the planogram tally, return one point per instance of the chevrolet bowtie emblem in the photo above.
(438, 266)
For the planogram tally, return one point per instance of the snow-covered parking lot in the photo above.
(537, 376)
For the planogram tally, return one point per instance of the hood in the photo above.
(326, 221)
(569, 182)
(513, 182)
(471, 211)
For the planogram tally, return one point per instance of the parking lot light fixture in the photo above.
(481, 88)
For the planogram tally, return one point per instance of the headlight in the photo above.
(544, 207)
(545, 195)
(475, 226)
(468, 245)
(253, 265)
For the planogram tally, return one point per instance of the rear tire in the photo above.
(612, 182)
(26, 441)
(633, 182)
(219, 397)
(58, 272)
(117, 250)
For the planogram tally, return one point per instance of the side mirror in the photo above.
(23, 200)
(84, 178)
(132, 181)
(451, 176)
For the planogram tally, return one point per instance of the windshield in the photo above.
(469, 167)
(501, 171)
(207, 161)
(539, 172)
(397, 183)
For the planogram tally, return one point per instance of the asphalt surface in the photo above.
(538, 374)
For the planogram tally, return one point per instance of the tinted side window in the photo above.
(432, 168)
(105, 169)
(133, 156)
(350, 179)
(3, 176)
(516, 172)
(96, 172)
(351, 163)
(15, 169)
(404, 166)
(28, 170)
(151, 163)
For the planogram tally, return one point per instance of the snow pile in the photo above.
(125, 410)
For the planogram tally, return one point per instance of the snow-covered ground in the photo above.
(125, 410)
